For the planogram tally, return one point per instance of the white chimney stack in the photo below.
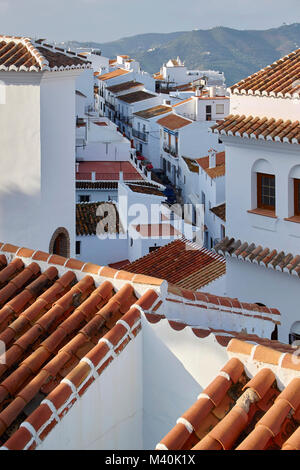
(212, 158)
(121, 177)
(212, 91)
(93, 176)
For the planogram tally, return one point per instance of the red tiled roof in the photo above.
(136, 96)
(250, 127)
(89, 223)
(113, 74)
(139, 188)
(119, 264)
(182, 263)
(280, 261)
(220, 211)
(153, 112)
(244, 413)
(24, 54)
(218, 170)
(280, 79)
(124, 86)
(107, 171)
(61, 329)
(173, 122)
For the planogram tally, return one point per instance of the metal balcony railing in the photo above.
(170, 150)
(140, 135)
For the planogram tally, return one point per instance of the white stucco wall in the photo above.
(107, 416)
(174, 373)
(102, 252)
(265, 106)
(253, 283)
(37, 155)
(244, 158)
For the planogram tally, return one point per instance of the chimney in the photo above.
(121, 177)
(212, 158)
(212, 91)
(197, 92)
(77, 167)
(93, 176)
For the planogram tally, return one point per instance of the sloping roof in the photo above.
(218, 170)
(220, 211)
(136, 96)
(281, 79)
(173, 122)
(270, 129)
(267, 257)
(24, 54)
(124, 86)
(113, 74)
(239, 412)
(182, 263)
(153, 112)
(60, 328)
(191, 164)
(139, 188)
(89, 223)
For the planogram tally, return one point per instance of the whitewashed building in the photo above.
(262, 138)
(174, 73)
(146, 131)
(37, 116)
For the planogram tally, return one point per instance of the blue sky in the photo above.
(107, 20)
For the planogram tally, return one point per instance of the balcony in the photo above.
(170, 150)
(110, 106)
(124, 119)
(140, 135)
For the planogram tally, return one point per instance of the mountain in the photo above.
(238, 53)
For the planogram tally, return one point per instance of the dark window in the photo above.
(296, 197)
(208, 113)
(78, 248)
(153, 248)
(266, 191)
(84, 198)
(169, 166)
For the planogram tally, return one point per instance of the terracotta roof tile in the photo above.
(258, 255)
(153, 112)
(188, 268)
(89, 223)
(136, 96)
(113, 74)
(218, 170)
(174, 122)
(240, 413)
(280, 79)
(49, 324)
(24, 54)
(250, 127)
(220, 211)
(124, 86)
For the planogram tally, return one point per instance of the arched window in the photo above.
(295, 333)
(60, 243)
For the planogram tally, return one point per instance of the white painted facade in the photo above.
(37, 140)
(107, 417)
(245, 157)
(146, 135)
